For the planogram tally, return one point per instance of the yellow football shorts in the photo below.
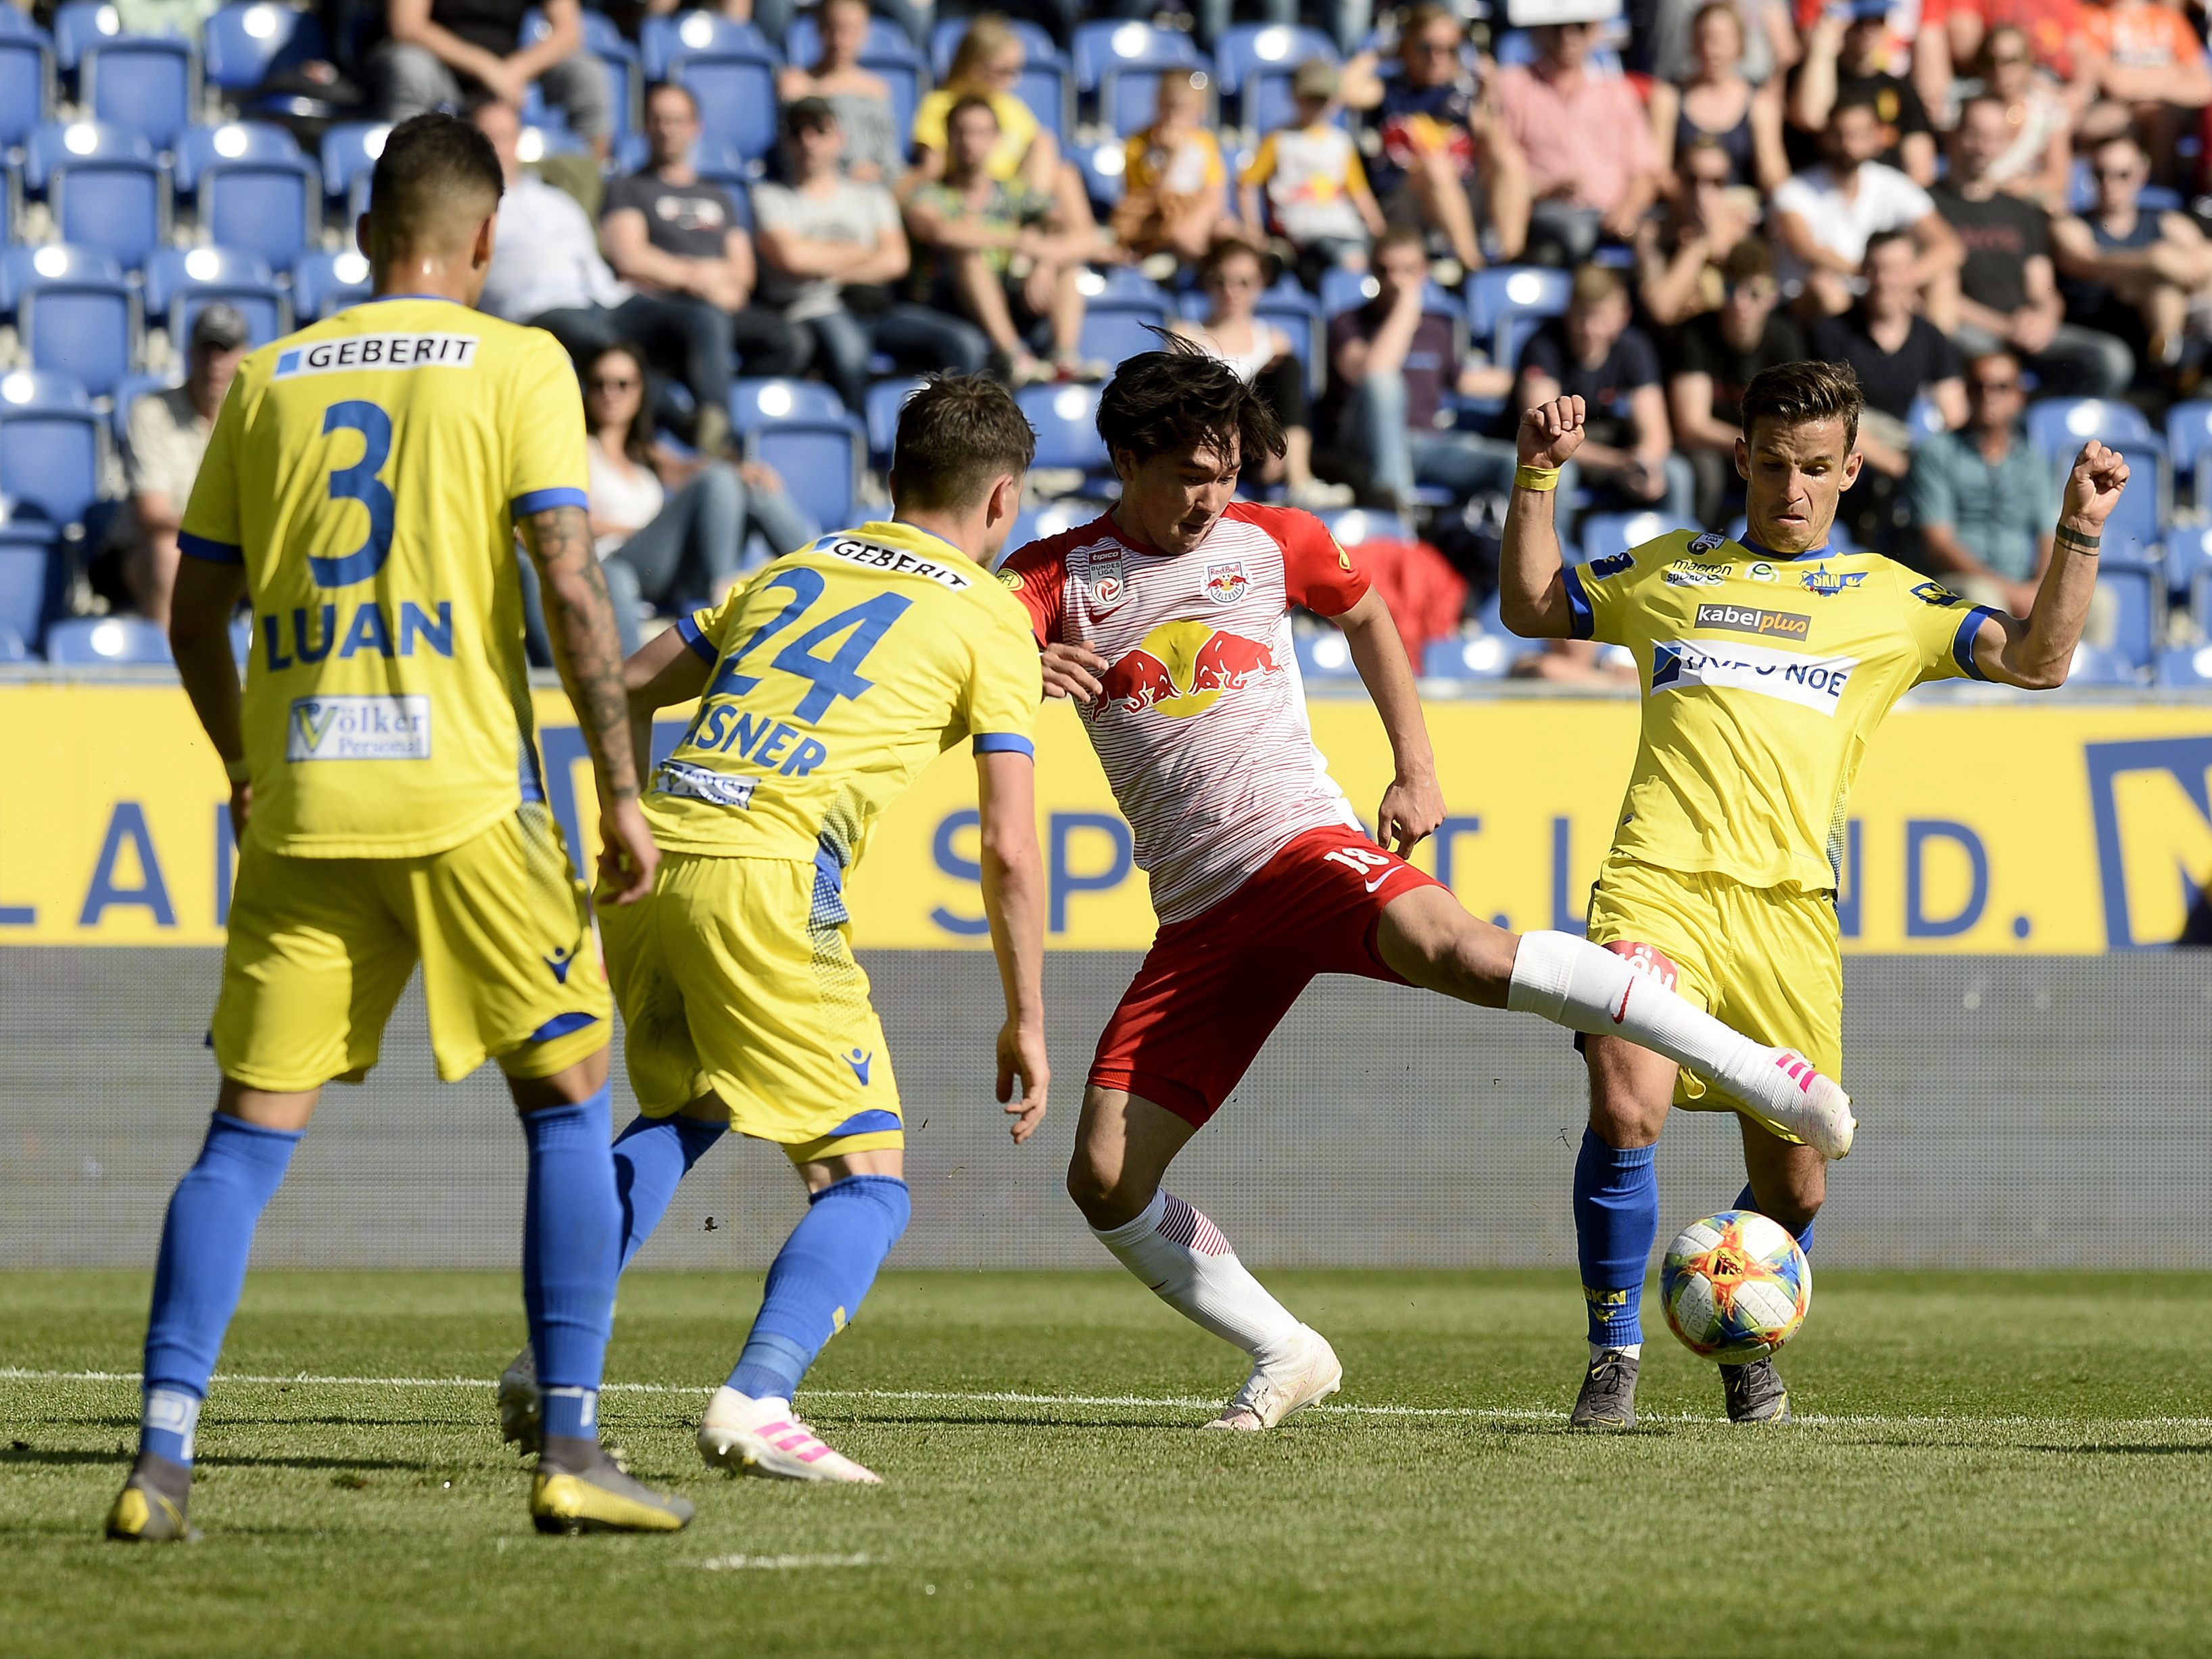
(736, 978)
(320, 950)
(1764, 959)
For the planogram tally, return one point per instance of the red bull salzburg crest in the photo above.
(1226, 583)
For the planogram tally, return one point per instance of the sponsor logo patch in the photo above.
(1761, 572)
(897, 559)
(702, 783)
(360, 351)
(1226, 583)
(1706, 542)
(1612, 564)
(1814, 683)
(1748, 619)
(1683, 574)
(1936, 594)
(1828, 583)
(1107, 585)
(358, 728)
(1011, 580)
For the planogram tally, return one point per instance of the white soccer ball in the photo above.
(1734, 1286)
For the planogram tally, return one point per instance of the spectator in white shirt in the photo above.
(167, 437)
(1823, 217)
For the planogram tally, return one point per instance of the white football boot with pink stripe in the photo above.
(1819, 1112)
(1308, 1373)
(764, 1437)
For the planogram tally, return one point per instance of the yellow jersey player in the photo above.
(1767, 663)
(362, 489)
(824, 686)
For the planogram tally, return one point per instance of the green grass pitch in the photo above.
(2001, 1464)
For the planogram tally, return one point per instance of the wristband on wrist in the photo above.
(2074, 542)
(1535, 477)
(236, 771)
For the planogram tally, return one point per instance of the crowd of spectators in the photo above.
(1970, 201)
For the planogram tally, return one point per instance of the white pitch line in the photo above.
(1149, 1402)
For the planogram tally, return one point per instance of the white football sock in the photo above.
(1187, 1262)
(1599, 1350)
(1587, 989)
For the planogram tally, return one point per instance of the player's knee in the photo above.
(1106, 1197)
(1622, 1119)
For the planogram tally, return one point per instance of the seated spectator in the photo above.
(1899, 356)
(167, 437)
(1824, 216)
(1440, 136)
(1682, 253)
(1174, 195)
(1593, 169)
(875, 150)
(2008, 291)
(988, 65)
(1390, 364)
(970, 228)
(1715, 102)
(1234, 279)
(1596, 354)
(1715, 357)
(2130, 272)
(440, 54)
(774, 18)
(679, 237)
(1846, 57)
(2037, 163)
(1316, 189)
(1669, 48)
(2145, 56)
(830, 246)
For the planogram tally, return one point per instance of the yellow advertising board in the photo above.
(2012, 827)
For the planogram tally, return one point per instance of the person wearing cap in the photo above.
(1315, 189)
(1847, 55)
(167, 434)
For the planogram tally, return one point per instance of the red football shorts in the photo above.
(1213, 988)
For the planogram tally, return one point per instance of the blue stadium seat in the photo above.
(129, 391)
(1506, 303)
(323, 283)
(102, 188)
(1291, 309)
(2093, 665)
(54, 262)
(1255, 62)
(1924, 417)
(1352, 525)
(1034, 523)
(618, 59)
(1474, 654)
(1324, 654)
(2186, 667)
(1129, 98)
(818, 460)
(12, 647)
(1066, 418)
(142, 83)
(1105, 46)
(1049, 92)
(26, 85)
(81, 24)
(736, 95)
(2060, 426)
(49, 445)
(756, 403)
(201, 148)
(2189, 442)
(180, 281)
(885, 399)
(802, 43)
(113, 641)
(240, 45)
(663, 40)
(1037, 44)
(1604, 534)
(29, 566)
(272, 209)
(1114, 333)
(2137, 526)
(1102, 166)
(350, 152)
(83, 326)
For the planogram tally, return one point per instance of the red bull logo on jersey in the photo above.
(1226, 583)
(1182, 668)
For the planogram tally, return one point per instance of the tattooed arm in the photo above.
(579, 619)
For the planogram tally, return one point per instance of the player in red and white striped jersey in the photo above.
(1167, 620)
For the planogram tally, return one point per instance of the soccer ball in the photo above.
(1736, 1286)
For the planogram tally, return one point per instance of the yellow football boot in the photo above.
(144, 1514)
(601, 1499)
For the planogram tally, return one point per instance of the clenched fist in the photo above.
(1551, 433)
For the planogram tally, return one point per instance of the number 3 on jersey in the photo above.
(833, 675)
(359, 483)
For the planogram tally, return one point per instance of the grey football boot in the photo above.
(1608, 1397)
(1755, 1393)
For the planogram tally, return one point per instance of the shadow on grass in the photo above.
(63, 1459)
(2146, 1450)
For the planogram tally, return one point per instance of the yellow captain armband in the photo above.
(1535, 477)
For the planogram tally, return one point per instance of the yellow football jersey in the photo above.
(840, 671)
(367, 471)
(1764, 679)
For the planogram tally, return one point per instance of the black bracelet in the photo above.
(2075, 541)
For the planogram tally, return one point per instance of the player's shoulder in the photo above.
(1660, 552)
(1909, 589)
(402, 331)
(923, 567)
(1288, 527)
(1049, 557)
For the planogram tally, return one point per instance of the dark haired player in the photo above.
(1167, 620)
(1767, 663)
(363, 487)
(825, 685)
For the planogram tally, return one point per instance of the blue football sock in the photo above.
(1747, 1200)
(204, 1243)
(819, 1277)
(571, 1253)
(651, 1156)
(1616, 1221)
